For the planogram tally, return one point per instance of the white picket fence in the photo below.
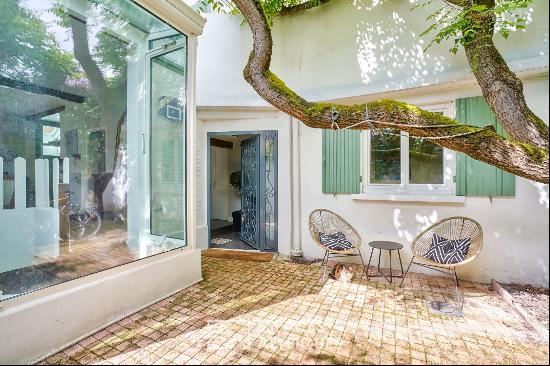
(42, 182)
(30, 232)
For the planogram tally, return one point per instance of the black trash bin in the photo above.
(236, 221)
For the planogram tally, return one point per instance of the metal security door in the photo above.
(250, 184)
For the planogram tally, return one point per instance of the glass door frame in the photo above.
(261, 134)
(146, 142)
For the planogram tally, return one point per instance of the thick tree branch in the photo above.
(482, 144)
(82, 54)
(502, 89)
(111, 111)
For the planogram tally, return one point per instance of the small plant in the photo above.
(235, 179)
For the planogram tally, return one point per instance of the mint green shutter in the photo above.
(474, 178)
(341, 161)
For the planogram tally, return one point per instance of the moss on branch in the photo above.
(535, 153)
(280, 87)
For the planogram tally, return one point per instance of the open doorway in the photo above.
(243, 190)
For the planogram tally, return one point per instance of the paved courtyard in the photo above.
(284, 313)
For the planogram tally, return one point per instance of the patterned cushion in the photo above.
(336, 241)
(447, 251)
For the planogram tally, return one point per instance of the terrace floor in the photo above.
(285, 313)
(105, 250)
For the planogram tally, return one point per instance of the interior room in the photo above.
(225, 192)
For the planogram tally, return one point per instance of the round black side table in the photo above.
(389, 246)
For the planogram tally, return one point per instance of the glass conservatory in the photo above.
(95, 110)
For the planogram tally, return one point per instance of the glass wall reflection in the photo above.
(92, 139)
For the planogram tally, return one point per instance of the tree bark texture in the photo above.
(502, 89)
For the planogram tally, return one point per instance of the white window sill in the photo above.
(400, 197)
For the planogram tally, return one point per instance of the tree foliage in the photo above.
(449, 20)
(453, 22)
(271, 8)
(29, 51)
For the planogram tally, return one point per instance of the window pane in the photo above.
(74, 102)
(156, 43)
(51, 141)
(425, 162)
(385, 164)
(168, 144)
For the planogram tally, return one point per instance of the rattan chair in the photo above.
(323, 221)
(452, 228)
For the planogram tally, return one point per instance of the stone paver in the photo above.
(284, 313)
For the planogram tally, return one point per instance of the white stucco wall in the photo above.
(347, 48)
(355, 51)
(515, 229)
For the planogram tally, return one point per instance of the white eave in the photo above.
(176, 13)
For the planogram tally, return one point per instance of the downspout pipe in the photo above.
(295, 190)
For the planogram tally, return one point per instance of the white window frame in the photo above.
(405, 189)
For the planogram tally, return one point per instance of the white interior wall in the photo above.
(224, 161)
(234, 165)
(219, 183)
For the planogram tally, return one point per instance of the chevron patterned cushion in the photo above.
(447, 251)
(336, 241)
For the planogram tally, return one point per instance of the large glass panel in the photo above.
(168, 144)
(425, 162)
(74, 103)
(385, 157)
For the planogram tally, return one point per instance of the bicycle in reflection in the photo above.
(84, 222)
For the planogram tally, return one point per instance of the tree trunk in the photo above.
(82, 54)
(484, 144)
(502, 89)
(110, 112)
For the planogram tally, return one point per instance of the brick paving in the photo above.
(286, 313)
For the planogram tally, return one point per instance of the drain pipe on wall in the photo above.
(295, 190)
